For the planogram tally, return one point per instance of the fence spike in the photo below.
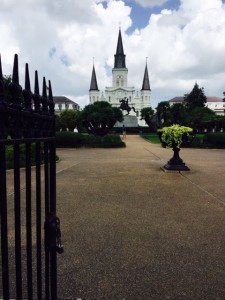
(36, 96)
(44, 97)
(15, 77)
(27, 92)
(1, 76)
(27, 77)
(2, 88)
(50, 97)
(36, 84)
(14, 87)
(44, 88)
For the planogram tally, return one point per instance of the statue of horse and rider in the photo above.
(125, 106)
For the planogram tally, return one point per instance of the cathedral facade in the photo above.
(120, 89)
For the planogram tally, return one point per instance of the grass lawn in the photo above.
(153, 138)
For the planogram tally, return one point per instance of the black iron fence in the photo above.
(30, 233)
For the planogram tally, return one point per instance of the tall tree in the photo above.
(179, 114)
(147, 114)
(98, 118)
(163, 111)
(69, 119)
(201, 118)
(196, 98)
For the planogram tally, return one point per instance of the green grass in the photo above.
(152, 138)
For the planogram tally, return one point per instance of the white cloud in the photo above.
(60, 39)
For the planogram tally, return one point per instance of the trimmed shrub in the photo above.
(214, 139)
(69, 139)
(197, 141)
(108, 141)
(10, 155)
(132, 130)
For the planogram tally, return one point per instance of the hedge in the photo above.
(214, 139)
(68, 139)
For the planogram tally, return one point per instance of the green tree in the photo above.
(147, 114)
(68, 119)
(163, 111)
(179, 114)
(98, 118)
(196, 98)
(201, 118)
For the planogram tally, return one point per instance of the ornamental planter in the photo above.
(172, 137)
(176, 163)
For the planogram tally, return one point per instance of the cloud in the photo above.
(60, 39)
(151, 3)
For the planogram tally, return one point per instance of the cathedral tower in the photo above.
(93, 91)
(119, 72)
(145, 91)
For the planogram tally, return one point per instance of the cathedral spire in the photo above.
(119, 56)
(94, 84)
(146, 84)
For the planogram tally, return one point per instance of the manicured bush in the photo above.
(10, 156)
(69, 139)
(108, 141)
(132, 130)
(214, 139)
(197, 141)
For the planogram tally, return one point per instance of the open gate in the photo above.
(30, 233)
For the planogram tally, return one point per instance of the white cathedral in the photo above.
(120, 89)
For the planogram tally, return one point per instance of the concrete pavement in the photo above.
(132, 231)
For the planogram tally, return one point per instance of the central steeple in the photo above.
(119, 56)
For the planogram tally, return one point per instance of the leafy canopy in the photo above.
(69, 119)
(98, 118)
(172, 136)
(147, 114)
(196, 98)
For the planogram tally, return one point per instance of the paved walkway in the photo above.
(132, 231)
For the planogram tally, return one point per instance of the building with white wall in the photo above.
(214, 103)
(62, 103)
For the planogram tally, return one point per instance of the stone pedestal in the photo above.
(176, 163)
(129, 121)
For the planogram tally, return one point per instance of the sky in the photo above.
(184, 41)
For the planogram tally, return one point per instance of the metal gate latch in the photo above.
(53, 234)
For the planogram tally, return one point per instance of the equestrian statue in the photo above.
(125, 106)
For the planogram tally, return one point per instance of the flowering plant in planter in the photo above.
(172, 137)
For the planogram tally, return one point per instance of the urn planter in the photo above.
(173, 137)
(176, 163)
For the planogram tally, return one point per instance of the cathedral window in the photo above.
(109, 99)
(121, 80)
(93, 98)
(117, 80)
(60, 106)
(130, 98)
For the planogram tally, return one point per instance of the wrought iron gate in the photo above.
(30, 234)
